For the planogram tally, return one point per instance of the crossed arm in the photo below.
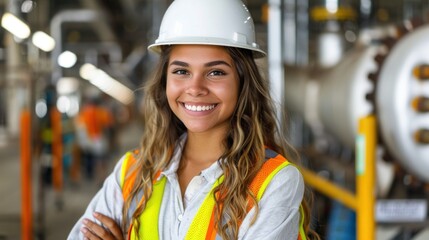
(108, 230)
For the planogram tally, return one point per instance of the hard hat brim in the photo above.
(156, 47)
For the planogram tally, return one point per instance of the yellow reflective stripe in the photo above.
(201, 221)
(264, 185)
(149, 219)
(301, 224)
(124, 169)
(269, 178)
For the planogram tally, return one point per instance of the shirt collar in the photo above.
(211, 173)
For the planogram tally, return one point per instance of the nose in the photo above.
(197, 86)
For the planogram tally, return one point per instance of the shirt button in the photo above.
(180, 217)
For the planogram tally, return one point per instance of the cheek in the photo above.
(171, 93)
(229, 93)
(233, 90)
(171, 89)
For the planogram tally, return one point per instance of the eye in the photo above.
(180, 72)
(217, 73)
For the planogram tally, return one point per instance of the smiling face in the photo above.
(202, 87)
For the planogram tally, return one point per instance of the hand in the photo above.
(110, 231)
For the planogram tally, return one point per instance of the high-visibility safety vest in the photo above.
(203, 224)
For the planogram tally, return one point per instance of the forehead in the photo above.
(199, 53)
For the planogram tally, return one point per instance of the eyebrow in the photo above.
(209, 64)
(214, 63)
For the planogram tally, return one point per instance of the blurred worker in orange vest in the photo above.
(94, 126)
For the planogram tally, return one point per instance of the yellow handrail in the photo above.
(329, 189)
(363, 202)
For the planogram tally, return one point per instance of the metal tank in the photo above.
(388, 77)
(401, 101)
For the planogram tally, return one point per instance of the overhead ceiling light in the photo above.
(67, 85)
(67, 59)
(43, 41)
(106, 83)
(27, 6)
(15, 26)
(41, 108)
(86, 71)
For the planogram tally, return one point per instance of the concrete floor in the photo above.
(58, 223)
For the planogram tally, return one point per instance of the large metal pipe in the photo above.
(345, 93)
(75, 16)
(397, 88)
(334, 98)
(16, 74)
(275, 52)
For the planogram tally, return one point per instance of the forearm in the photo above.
(108, 201)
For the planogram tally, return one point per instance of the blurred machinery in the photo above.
(365, 58)
(387, 77)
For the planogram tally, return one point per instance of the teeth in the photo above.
(199, 108)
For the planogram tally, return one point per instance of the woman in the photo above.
(211, 163)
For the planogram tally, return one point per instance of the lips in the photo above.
(199, 108)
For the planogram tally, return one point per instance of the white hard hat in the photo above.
(208, 22)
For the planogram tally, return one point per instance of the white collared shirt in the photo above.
(278, 208)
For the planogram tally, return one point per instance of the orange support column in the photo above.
(57, 150)
(366, 145)
(26, 189)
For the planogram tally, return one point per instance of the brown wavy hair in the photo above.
(253, 126)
